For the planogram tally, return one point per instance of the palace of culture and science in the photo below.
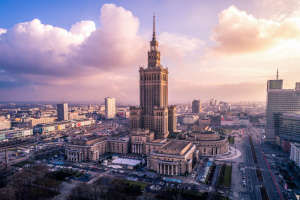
(150, 125)
(154, 113)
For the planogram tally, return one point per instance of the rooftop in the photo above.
(176, 147)
(126, 161)
(87, 140)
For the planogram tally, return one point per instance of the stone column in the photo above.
(168, 168)
(173, 170)
(159, 168)
(167, 171)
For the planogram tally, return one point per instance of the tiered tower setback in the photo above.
(153, 111)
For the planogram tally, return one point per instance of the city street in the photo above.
(269, 182)
(244, 168)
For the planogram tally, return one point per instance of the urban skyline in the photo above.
(182, 116)
(47, 57)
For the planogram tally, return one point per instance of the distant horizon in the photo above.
(118, 103)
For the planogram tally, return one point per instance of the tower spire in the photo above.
(153, 36)
(277, 74)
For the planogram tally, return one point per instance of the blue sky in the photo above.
(225, 49)
(197, 17)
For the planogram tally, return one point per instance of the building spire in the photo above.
(153, 36)
(277, 74)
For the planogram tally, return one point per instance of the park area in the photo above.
(224, 179)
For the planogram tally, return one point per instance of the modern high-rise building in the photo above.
(153, 111)
(295, 153)
(279, 101)
(62, 112)
(196, 106)
(172, 122)
(110, 108)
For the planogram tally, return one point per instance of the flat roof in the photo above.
(126, 161)
(175, 147)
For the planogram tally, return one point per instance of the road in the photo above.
(269, 182)
(252, 183)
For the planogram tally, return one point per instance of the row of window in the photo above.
(154, 77)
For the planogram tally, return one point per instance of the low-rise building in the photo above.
(139, 139)
(91, 147)
(61, 126)
(15, 134)
(41, 120)
(209, 143)
(88, 148)
(118, 145)
(173, 158)
(4, 123)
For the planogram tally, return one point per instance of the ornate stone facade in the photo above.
(139, 138)
(153, 111)
(90, 148)
(209, 143)
(173, 158)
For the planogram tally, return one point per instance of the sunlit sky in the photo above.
(69, 50)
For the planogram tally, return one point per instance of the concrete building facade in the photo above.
(4, 123)
(279, 101)
(110, 108)
(288, 129)
(196, 106)
(62, 112)
(295, 153)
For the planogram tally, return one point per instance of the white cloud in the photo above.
(2, 31)
(277, 10)
(43, 59)
(240, 32)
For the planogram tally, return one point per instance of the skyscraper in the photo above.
(279, 101)
(62, 112)
(110, 108)
(153, 111)
(196, 106)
